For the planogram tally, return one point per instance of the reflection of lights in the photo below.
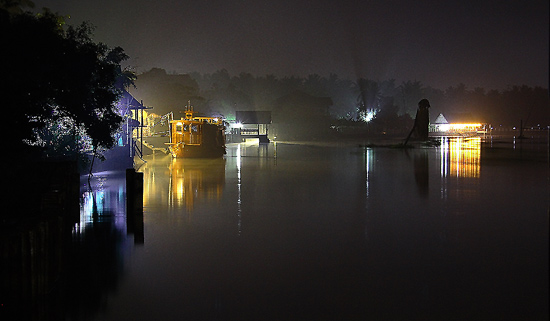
(239, 162)
(444, 157)
(239, 201)
(104, 201)
(369, 167)
(191, 180)
(93, 203)
(460, 157)
(86, 211)
(369, 164)
(180, 188)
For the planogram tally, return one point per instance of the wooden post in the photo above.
(134, 204)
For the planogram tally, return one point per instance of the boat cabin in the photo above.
(193, 136)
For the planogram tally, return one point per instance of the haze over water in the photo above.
(290, 231)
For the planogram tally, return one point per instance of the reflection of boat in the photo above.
(196, 179)
(194, 136)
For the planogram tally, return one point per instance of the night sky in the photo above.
(490, 44)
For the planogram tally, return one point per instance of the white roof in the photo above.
(440, 120)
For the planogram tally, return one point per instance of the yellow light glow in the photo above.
(459, 127)
(464, 126)
(463, 158)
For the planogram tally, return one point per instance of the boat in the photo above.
(196, 137)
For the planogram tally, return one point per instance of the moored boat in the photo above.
(193, 136)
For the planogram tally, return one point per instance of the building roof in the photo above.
(440, 120)
(456, 118)
(128, 102)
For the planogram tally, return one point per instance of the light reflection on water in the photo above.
(300, 231)
(181, 183)
(369, 167)
(192, 179)
(104, 200)
(460, 157)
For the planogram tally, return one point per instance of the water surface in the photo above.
(295, 231)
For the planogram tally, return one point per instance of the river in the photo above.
(289, 231)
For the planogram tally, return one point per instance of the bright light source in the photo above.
(458, 127)
(368, 115)
(237, 125)
(464, 126)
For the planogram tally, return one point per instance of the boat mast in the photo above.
(189, 110)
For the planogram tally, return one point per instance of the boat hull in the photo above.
(197, 151)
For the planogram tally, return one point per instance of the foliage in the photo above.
(15, 6)
(394, 104)
(166, 92)
(56, 74)
(369, 96)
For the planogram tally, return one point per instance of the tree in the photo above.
(457, 98)
(167, 92)
(314, 85)
(411, 94)
(368, 99)
(55, 74)
(342, 92)
(15, 6)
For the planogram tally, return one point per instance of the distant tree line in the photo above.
(222, 93)
(61, 88)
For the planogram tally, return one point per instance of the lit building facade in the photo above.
(457, 124)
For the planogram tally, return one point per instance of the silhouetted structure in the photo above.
(421, 121)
